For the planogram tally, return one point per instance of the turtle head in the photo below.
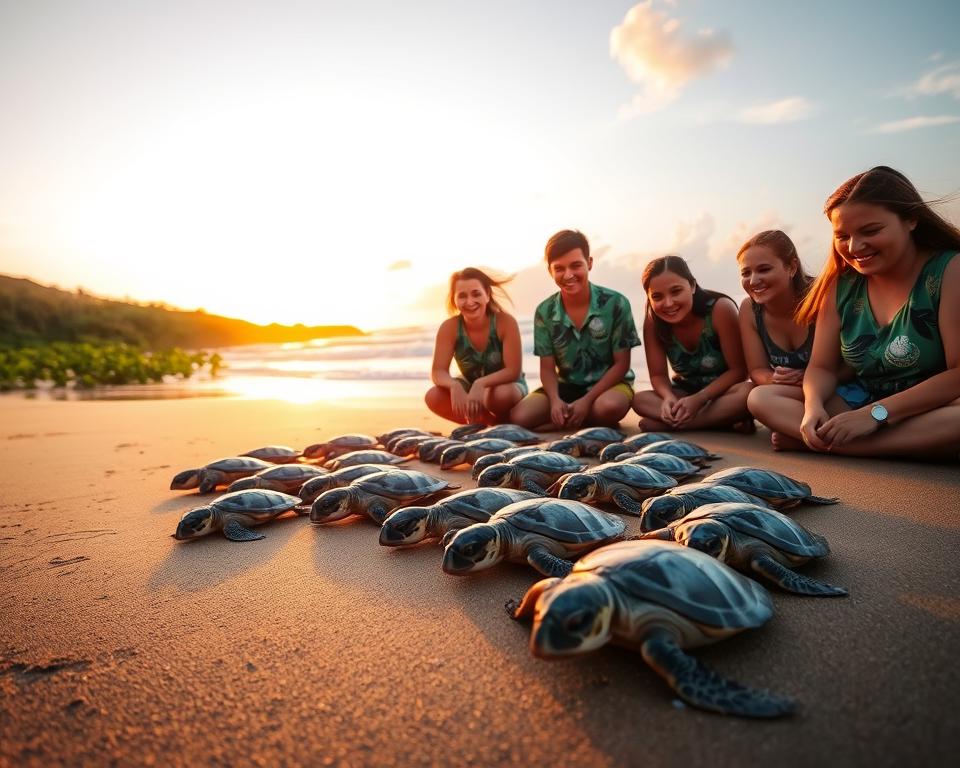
(578, 487)
(614, 450)
(567, 445)
(574, 616)
(454, 456)
(709, 536)
(495, 476)
(405, 527)
(335, 504)
(197, 522)
(660, 511)
(184, 481)
(243, 484)
(474, 548)
(485, 461)
(315, 451)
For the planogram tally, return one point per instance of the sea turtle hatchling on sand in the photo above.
(490, 459)
(217, 473)
(410, 445)
(233, 513)
(546, 533)
(660, 511)
(364, 457)
(467, 453)
(377, 495)
(534, 472)
(692, 452)
(431, 451)
(275, 454)
(392, 434)
(754, 540)
(625, 485)
(461, 432)
(675, 466)
(339, 445)
(777, 489)
(512, 432)
(411, 525)
(288, 478)
(660, 599)
(336, 479)
(632, 444)
(586, 442)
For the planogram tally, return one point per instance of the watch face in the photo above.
(879, 412)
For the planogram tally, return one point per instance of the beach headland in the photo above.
(316, 646)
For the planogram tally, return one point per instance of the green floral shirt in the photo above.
(474, 364)
(909, 348)
(694, 368)
(583, 355)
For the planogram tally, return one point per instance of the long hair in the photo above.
(492, 285)
(784, 249)
(893, 191)
(702, 298)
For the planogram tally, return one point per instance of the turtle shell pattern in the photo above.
(499, 458)
(515, 434)
(695, 495)
(363, 457)
(684, 580)
(598, 434)
(633, 475)
(768, 525)
(402, 484)
(569, 522)
(546, 461)
(478, 504)
(238, 464)
(764, 483)
(675, 466)
(681, 448)
(275, 454)
(258, 504)
(636, 442)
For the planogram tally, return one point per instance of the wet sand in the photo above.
(119, 645)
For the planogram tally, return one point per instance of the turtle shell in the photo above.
(337, 479)
(431, 450)
(636, 442)
(569, 522)
(681, 448)
(675, 466)
(401, 484)
(363, 457)
(768, 525)
(459, 433)
(498, 458)
(401, 432)
(696, 495)
(633, 475)
(515, 434)
(684, 580)
(478, 504)
(275, 454)
(238, 464)
(409, 445)
(598, 434)
(764, 483)
(255, 502)
(546, 461)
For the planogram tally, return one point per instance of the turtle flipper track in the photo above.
(792, 581)
(549, 565)
(700, 686)
(823, 499)
(236, 532)
(627, 503)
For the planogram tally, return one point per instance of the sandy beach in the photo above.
(316, 646)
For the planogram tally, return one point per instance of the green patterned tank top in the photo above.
(694, 369)
(472, 363)
(908, 349)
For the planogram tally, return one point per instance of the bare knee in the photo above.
(609, 410)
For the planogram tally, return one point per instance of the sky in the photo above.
(327, 162)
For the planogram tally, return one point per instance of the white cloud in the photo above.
(943, 79)
(912, 123)
(649, 46)
(399, 265)
(784, 111)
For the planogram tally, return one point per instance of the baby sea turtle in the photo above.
(377, 495)
(467, 453)
(410, 445)
(336, 479)
(692, 452)
(754, 540)
(512, 432)
(675, 466)
(657, 598)
(233, 512)
(275, 454)
(534, 472)
(498, 458)
(339, 445)
(778, 489)
(626, 485)
(586, 442)
(411, 525)
(387, 437)
(659, 512)
(216, 473)
(288, 478)
(353, 458)
(464, 430)
(431, 451)
(543, 532)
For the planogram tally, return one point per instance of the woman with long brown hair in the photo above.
(887, 303)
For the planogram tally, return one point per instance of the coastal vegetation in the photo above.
(47, 334)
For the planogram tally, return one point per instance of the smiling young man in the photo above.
(583, 335)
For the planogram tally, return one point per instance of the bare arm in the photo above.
(657, 368)
(443, 354)
(754, 353)
(550, 384)
(820, 379)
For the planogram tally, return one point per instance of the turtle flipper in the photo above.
(792, 581)
(548, 564)
(209, 480)
(236, 532)
(823, 499)
(627, 503)
(700, 686)
(529, 485)
(378, 510)
(448, 536)
(523, 608)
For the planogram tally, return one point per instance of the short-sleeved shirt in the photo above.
(694, 368)
(906, 351)
(583, 355)
(474, 363)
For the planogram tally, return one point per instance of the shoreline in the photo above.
(315, 645)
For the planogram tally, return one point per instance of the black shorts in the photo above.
(570, 392)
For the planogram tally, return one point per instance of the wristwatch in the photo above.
(879, 413)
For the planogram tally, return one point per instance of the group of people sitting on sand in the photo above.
(862, 360)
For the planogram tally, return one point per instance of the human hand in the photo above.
(847, 426)
(814, 416)
(577, 412)
(558, 412)
(667, 408)
(459, 402)
(783, 375)
(475, 399)
(687, 407)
